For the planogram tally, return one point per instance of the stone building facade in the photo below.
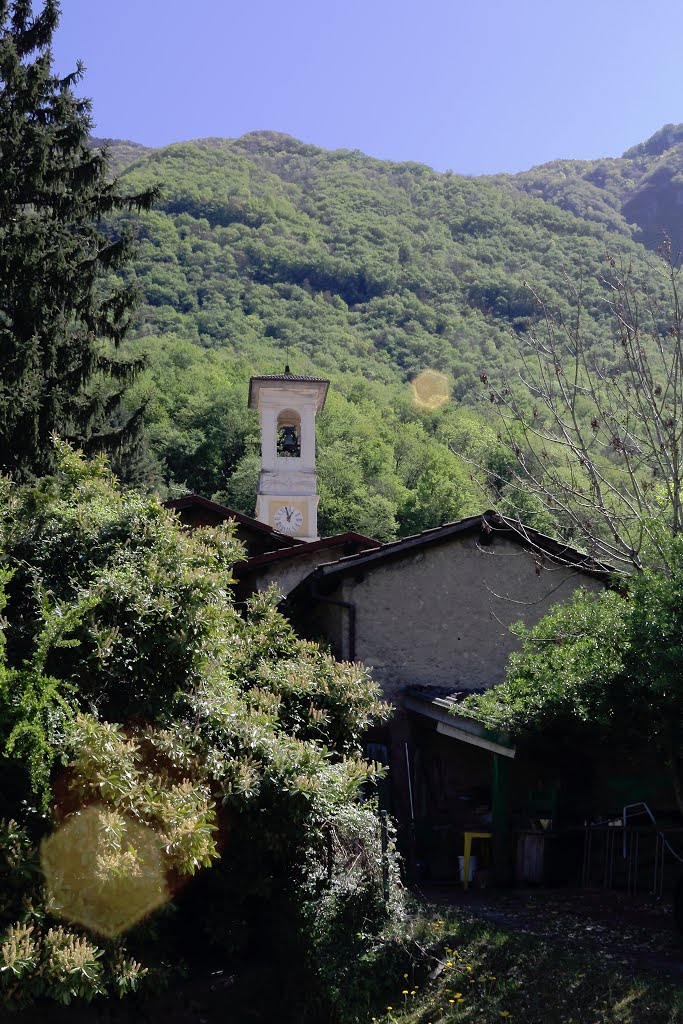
(429, 615)
(435, 610)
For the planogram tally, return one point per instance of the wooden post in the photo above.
(500, 812)
(383, 824)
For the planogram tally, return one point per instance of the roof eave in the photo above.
(460, 727)
(277, 378)
(527, 536)
(188, 500)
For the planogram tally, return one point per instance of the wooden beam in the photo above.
(465, 736)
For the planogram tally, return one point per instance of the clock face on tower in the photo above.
(288, 519)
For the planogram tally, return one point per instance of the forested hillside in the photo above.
(264, 250)
(640, 193)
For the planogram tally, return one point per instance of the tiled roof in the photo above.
(454, 721)
(488, 525)
(264, 380)
(290, 376)
(445, 696)
(189, 501)
(338, 540)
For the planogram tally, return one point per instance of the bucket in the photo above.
(461, 868)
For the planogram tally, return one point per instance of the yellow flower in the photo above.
(504, 1013)
(404, 992)
(468, 968)
(458, 995)
(413, 992)
(405, 975)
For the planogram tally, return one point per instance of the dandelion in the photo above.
(504, 1013)
(458, 995)
(404, 992)
(412, 992)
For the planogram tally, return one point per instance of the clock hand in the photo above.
(288, 514)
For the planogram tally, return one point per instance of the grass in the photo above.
(460, 969)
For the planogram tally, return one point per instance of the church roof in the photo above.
(195, 510)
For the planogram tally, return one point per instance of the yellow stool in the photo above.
(469, 836)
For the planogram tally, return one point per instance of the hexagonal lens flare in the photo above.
(103, 870)
(430, 389)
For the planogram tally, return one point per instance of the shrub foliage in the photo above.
(130, 682)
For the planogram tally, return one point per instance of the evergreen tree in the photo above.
(62, 311)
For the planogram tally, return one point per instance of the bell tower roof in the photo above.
(276, 381)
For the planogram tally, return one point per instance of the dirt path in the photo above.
(624, 930)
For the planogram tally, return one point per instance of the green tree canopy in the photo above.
(62, 309)
(607, 663)
(130, 683)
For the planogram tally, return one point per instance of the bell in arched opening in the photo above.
(287, 498)
(288, 437)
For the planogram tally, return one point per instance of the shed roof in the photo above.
(442, 707)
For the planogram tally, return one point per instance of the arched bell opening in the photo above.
(288, 435)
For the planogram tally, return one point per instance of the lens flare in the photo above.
(103, 871)
(430, 389)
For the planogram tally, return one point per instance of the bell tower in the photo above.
(288, 488)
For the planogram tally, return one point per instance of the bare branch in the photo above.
(598, 440)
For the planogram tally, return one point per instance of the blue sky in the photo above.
(475, 86)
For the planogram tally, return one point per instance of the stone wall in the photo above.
(440, 616)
